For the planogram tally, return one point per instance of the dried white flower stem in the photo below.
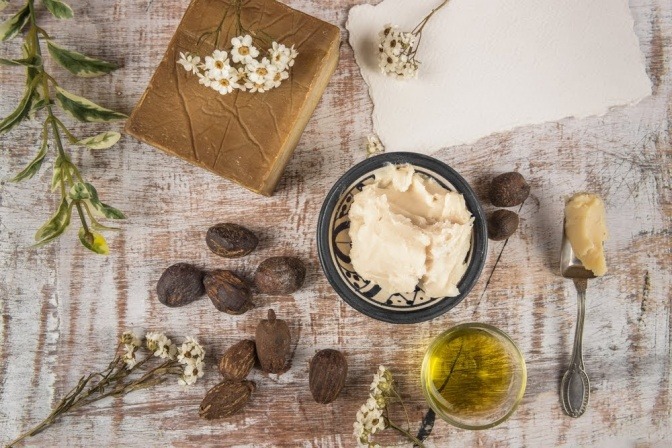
(420, 26)
(397, 49)
(374, 414)
(185, 363)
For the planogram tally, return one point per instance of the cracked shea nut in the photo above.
(502, 224)
(228, 292)
(180, 284)
(280, 275)
(238, 360)
(508, 190)
(225, 399)
(230, 240)
(273, 344)
(328, 371)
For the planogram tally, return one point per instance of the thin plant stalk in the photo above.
(113, 382)
(44, 95)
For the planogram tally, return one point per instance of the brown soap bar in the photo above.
(243, 136)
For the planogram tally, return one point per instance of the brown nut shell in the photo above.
(502, 224)
(280, 275)
(328, 371)
(228, 292)
(230, 240)
(225, 399)
(180, 284)
(273, 344)
(508, 190)
(238, 360)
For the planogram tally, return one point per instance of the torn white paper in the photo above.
(492, 65)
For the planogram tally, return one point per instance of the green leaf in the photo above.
(59, 9)
(87, 193)
(77, 63)
(20, 112)
(79, 192)
(37, 105)
(34, 166)
(33, 61)
(56, 173)
(12, 26)
(101, 141)
(93, 241)
(109, 212)
(56, 225)
(85, 110)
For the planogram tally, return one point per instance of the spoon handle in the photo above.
(575, 387)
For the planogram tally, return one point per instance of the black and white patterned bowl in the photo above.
(333, 243)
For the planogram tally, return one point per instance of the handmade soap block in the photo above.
(243, 136)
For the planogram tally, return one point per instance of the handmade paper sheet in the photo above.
(492, 65)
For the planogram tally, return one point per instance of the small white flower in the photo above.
(160, 345)
(129, 358)
(191, 352)
(375, 421)
(277, 79)
(243, 51)
(189, 62)
(130, 337)
(217, 65)
(256, 87)
(260, 71)
(280, 56)
(222, 85)
(205, 80)
(292, 56)
(192, 372)
(374, 145)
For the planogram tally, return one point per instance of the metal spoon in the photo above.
(575, 387)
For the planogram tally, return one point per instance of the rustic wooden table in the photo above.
(63, 308)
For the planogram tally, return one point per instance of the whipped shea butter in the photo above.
(586, 229)
(408, 231)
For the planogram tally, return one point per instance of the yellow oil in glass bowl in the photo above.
(473, 376)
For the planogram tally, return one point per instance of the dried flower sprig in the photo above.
(397, 49)
(185, 362)
(243, 71)
(374, 146)
(41, 94)
(243, 67)
(374, 415)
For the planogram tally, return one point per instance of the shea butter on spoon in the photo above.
(407, 231)
(583, 239)
(586, 229)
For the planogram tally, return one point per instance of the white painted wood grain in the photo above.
(62, 308)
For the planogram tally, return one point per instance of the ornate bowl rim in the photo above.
(346, 183)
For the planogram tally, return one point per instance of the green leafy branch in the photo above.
(43, 96)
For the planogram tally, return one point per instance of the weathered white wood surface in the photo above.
(62, 307)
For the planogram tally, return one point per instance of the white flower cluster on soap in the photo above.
(396, 53)
(240, 68)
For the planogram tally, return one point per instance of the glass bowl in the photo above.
(473, 376)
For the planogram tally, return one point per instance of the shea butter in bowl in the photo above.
(402, 237)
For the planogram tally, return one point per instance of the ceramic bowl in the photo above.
(333, 243)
